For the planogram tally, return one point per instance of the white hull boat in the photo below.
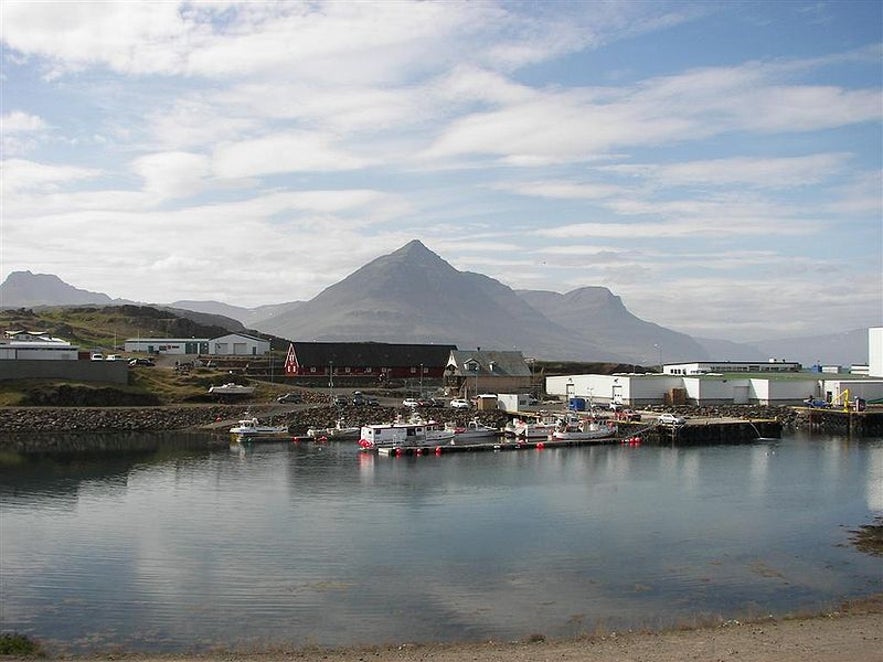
(472, 431)
(531, 429)
(231, 389)
(339, 432)
(251, 429)
(403, 434)
(582, 431)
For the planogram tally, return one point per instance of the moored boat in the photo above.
(538, 427)
(472, 431)
(582, 430)
(403, 434)
(338, 432)
(252, 430)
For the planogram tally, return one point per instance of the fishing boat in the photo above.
(582, 430)
(472, 431)
(537, 427)
(339, 432)
(402, 433)
(250, 429)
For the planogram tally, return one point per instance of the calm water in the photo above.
(303, 544)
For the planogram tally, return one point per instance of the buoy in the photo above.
(398, 452)
(438, 450)
(540, 445)
(419, 451)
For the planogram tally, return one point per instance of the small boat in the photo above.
(472, 431)
(582, 430)
(414, 432)
(338, 432)
(539, 427)
(250, 429)
(231, 389)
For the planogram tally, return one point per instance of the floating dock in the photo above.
(630, 434)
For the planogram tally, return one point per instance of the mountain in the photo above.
(412, 295)
(596, 313)
(844, 349)
(22, 289)
(249, 317)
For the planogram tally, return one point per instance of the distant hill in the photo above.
(845, 349)
(24, 289)
(249, 317)
(596, 313)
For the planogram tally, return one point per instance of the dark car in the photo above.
(340, 400)
(289, 398)
(358, 398)
(141, 362)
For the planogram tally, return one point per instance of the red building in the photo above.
(371, 360)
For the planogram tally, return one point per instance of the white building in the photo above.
(704, 367)
(733, 388)
(168, 345)
(238, 344)
(36, 346)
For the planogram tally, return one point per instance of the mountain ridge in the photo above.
(413, 295)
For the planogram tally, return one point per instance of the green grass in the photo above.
(19, 645)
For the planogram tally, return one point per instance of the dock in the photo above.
(701, 432)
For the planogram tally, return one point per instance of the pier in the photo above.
(700, 432)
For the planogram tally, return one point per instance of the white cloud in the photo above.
(173, 174)
(23, 175)
(20, 122)
(283, 152)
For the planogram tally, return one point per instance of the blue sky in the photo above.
(715, 164)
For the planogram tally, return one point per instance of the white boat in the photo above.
(582, 430)
(338, 432)
(403, 434)
(231, 389)
(252, 429)
(539, 427)
(472, 431)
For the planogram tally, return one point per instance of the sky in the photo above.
(717, 165)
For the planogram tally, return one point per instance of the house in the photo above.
(470, 373)
(374, 360)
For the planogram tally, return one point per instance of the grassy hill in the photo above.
(107, 328)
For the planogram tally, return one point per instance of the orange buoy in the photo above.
(540, 445)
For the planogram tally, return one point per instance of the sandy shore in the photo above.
(853, 633)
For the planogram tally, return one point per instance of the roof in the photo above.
(371, 354)
(509, 364)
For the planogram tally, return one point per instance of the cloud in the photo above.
(293, 151)
(20, 122)
(22, 175)
(173, 174)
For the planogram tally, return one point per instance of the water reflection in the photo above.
(323, 544)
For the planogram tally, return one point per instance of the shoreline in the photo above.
(853, 631)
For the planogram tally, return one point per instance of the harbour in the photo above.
(304, 538)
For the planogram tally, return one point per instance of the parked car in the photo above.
(340, 401)
(671, 419)
(460, 403)
(141, 362)
(358, 398)
(115, 357)
(289, 398)
(97, 356)
(410, 402)
(371, 401)
(430, 402)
